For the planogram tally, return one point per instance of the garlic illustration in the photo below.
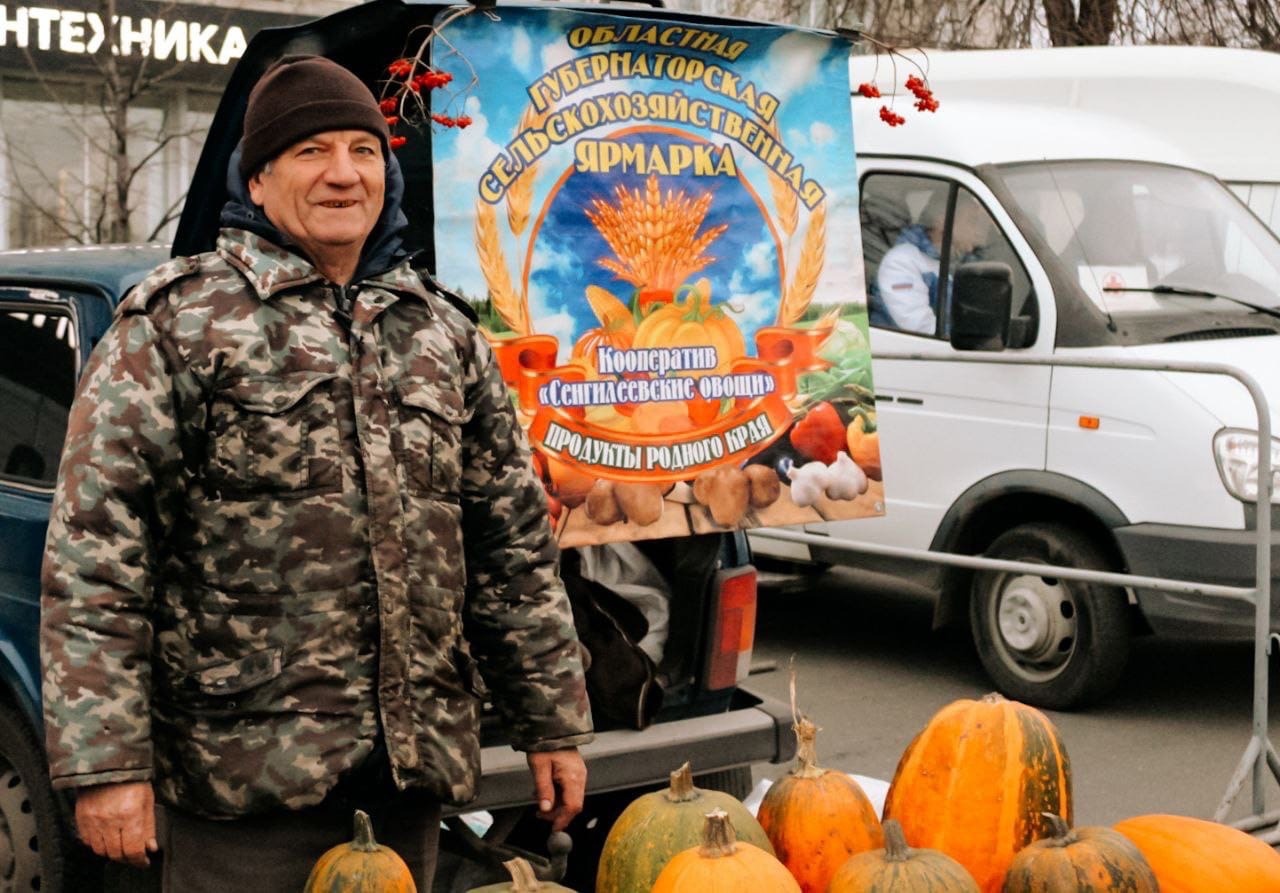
(808, 482)
(847, 480)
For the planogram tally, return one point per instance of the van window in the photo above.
(1150, 239)
(915, 232)
(37, 382)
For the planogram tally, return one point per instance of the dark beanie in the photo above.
(301, 96)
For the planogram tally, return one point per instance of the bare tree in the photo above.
(1074, 23)
(98, 202)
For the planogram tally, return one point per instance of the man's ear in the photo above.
(256, 188)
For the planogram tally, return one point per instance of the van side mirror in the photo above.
(981, 304)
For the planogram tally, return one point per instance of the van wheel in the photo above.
(1043, 640)
(35, 853)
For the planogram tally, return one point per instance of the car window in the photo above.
(907, 224)
(37, 382)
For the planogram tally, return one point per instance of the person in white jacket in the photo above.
(906, 292)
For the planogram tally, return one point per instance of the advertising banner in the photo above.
(657, 221)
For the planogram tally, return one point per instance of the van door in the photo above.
(944, 427)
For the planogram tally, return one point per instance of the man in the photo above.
(294, 502)
(905, 296)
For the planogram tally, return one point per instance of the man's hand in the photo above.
(118, 821)
(559, 783)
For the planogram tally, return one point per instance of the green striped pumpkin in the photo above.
(899, 869)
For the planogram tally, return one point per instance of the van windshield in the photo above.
(1150, 239)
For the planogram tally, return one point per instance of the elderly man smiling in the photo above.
(296, 533)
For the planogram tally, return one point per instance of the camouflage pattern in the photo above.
(277, 527)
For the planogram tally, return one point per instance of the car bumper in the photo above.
(755, 729)
(1202, 555)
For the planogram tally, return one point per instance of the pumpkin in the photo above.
(816, 818)
(656, 826)
(976, 782)
(523, 880)
(1194, 856)
(900, 869)
(361, 866)
(1084, 860)
(724, 864)
(693, 322)
(605, 336)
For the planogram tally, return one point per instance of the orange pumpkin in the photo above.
(1194, 856)
(657, 826)
(899, 869)
(724, 864)
(1084, 860)
(604, 336)
(361, 866)
(693, 322)
(976, 782)
(816, 818)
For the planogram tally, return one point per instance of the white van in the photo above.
(1219, 105)
(1116, 246)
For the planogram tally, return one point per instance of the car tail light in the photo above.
(733, 627)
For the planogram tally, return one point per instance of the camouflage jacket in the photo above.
(278, 527)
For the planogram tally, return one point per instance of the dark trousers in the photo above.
(275, 852)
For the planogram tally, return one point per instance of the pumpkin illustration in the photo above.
(817, 818)
(657, 826)
(723, 863)
(900, 869)
(1194, 856)
(1086, 860)
(361, 866)
(1009, 766)
(693, 322)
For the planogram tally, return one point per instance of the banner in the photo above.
(657, 221)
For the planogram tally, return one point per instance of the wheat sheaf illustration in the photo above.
(654, 236)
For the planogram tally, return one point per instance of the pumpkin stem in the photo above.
(363, 841)
(806, 750)
(523, 880)
(718, 837)
(1060, 833)
(895, 842)
(682, 789)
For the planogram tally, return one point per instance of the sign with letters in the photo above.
(658, 222)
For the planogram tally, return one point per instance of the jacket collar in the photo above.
(271, 270)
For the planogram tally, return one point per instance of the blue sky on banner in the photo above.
(808, 73)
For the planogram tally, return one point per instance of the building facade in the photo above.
(104, 105)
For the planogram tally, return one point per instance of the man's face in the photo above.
(971, 230)
(324, 192)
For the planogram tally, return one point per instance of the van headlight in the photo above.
(1236, 452)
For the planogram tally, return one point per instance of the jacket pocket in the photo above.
(239, 675)
(428, 442)
(273, 435)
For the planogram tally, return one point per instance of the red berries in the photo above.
(890, 117)
(389, 105)
(916, 86)
(397, 142)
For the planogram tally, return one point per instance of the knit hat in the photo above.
(301, 96)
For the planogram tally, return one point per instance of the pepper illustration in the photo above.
(820, 434)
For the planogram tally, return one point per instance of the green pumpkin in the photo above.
(657, 826)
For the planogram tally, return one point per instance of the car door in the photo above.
(41, 350)
(944, 426)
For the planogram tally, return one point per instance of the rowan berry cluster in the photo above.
(890, 117)
(409, 79)
(925, 100)
(869, 90)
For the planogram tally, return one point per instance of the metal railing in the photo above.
(1259, 755)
